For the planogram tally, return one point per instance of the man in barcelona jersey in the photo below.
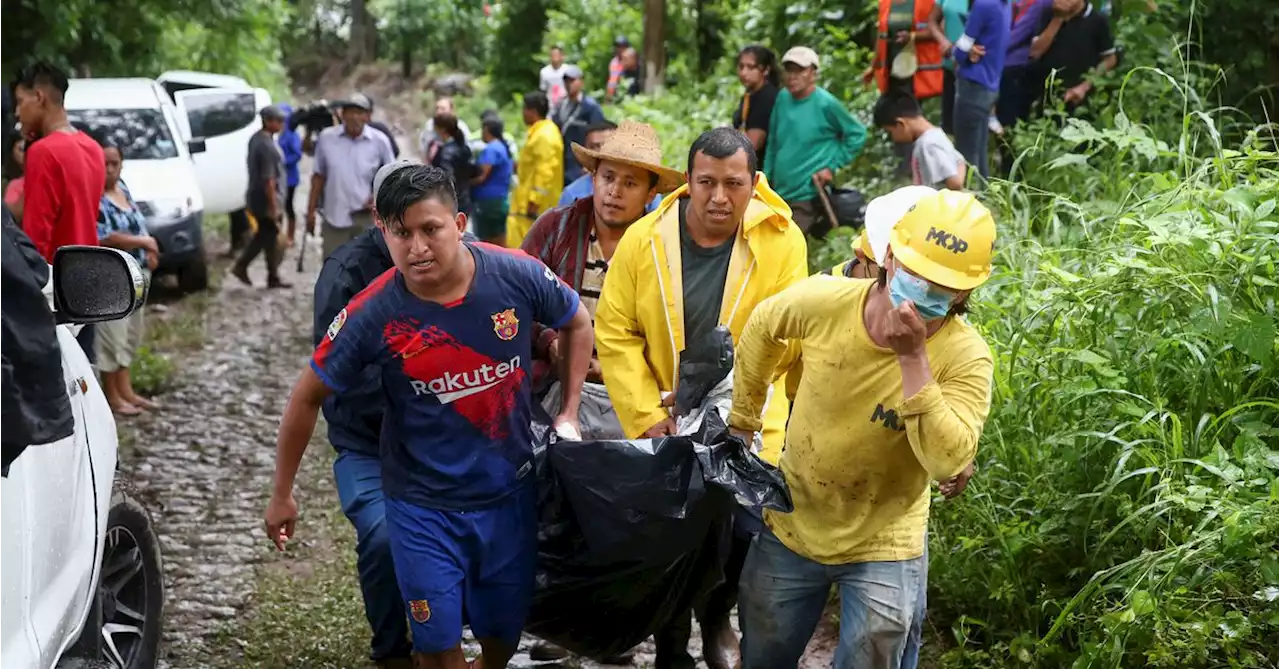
(448, 329)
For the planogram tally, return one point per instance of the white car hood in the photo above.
(168, 179)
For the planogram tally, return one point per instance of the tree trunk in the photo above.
(360, 38)
(700, 37)
(655, 49)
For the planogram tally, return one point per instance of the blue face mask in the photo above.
(932, 303)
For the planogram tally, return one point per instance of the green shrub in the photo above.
(1126, 509)
(152, 372)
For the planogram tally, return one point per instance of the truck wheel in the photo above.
(131, 586)
(193, 276)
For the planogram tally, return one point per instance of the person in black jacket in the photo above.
(454, 157)
(33, 398)
(322, 114)
(355, 423)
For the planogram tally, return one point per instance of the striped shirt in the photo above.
(593, 275)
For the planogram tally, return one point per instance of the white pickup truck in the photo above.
(185, 141)
(82, 582)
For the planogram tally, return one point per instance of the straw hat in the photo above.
(632, 144)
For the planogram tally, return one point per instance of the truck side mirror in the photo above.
(196, 145)
(92, 284)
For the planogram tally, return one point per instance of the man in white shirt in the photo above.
(347, 157)
(551, 79)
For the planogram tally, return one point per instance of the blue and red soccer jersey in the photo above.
(456, 435)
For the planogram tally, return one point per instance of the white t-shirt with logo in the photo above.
(551, 81)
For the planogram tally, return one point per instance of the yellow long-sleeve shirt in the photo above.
(858, 456)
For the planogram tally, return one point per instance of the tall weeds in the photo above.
(1125, 513)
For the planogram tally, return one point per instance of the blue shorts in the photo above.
(460, 568)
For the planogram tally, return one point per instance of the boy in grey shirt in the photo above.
(935, 162)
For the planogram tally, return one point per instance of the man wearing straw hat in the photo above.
(710, 253)
(578, 242)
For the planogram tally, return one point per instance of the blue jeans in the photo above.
(915, 638)
(782, 596)
(973, 107)
(359, 479)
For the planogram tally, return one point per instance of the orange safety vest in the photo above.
(927, 81)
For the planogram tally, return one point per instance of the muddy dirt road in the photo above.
(203, 464)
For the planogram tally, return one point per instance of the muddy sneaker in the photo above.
(242, 274)
(278, 283)
(546, 652)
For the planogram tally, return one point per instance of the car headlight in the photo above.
(167, 209)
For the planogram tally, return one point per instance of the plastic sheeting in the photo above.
(596, 416)
(634, 532)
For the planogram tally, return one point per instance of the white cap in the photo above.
(802, 56)
(885, 211)
(386, 170)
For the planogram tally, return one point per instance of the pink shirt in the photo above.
(14, 191)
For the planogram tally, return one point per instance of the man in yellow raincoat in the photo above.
(540, 172)
(710, 253)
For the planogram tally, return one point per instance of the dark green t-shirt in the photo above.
(703, 271)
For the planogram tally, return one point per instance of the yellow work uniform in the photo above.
(640, 317)
(859, 457)
(539, 179)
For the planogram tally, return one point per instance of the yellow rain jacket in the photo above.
(539, 179)
(640, 318)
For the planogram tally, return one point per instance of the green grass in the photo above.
(217, 225)
(307, 610)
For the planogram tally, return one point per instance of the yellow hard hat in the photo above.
(947, 238)
(860, 243)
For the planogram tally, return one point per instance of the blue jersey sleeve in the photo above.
(554, 302)
(350, 343)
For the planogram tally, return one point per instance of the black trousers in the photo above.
(239, 229)
(948, 100)
(265, 242)
(288, 205)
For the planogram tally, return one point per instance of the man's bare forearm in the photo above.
(296, 427)
(1041, 43)
(272, 205)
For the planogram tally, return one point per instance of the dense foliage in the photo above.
(144, 38)
(1126, 512)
